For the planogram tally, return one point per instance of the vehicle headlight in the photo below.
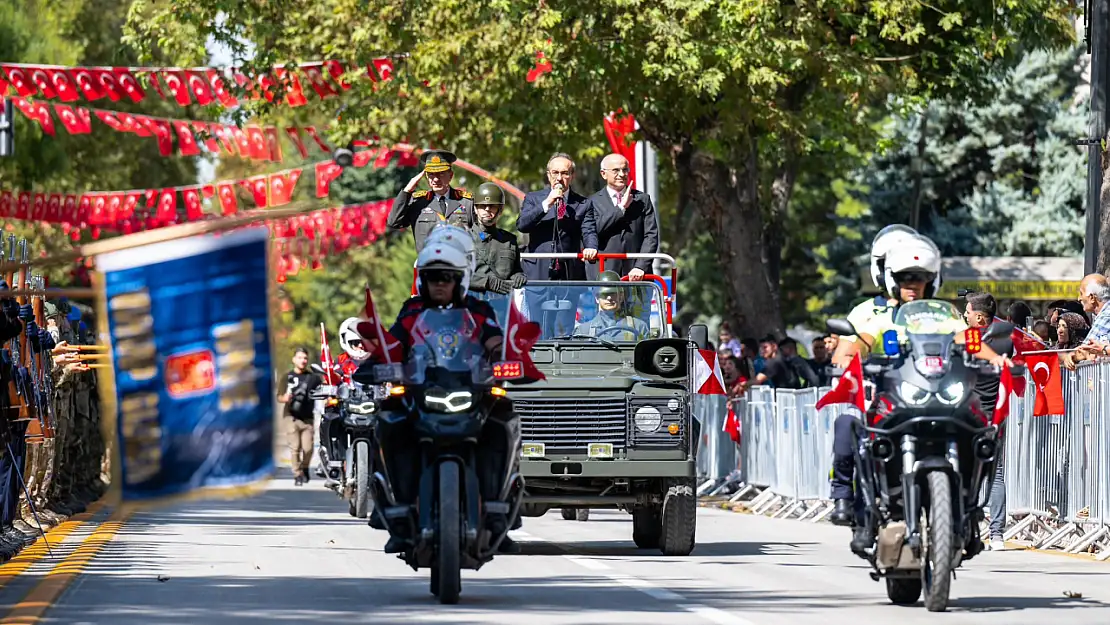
(456, 401)
(913, 394)
(647, 419)
(951, 394)
(673, 405)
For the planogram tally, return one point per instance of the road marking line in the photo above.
(714, 615)
(31, 609)
(29, 556)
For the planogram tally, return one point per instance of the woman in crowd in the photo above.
(1071, 330)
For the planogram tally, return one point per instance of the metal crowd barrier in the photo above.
(1056, 468)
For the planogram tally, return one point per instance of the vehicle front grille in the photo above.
(570, 425)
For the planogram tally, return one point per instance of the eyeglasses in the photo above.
(439, 277)
(910, 277)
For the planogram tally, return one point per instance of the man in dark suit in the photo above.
(553, 220)
(624, 220)
(424, 210)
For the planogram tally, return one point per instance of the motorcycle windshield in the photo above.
(446, 350)
(930, 327)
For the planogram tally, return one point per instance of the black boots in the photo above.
(862, 540)
(843, 514)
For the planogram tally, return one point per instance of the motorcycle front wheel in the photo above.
(362, 479)
(448, 560)
(936, 571)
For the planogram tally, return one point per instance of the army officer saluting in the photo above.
(424, 210)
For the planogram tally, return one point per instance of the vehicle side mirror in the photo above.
(666, 358)
(843, 327)
(699, 335)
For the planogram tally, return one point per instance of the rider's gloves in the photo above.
(519, 280)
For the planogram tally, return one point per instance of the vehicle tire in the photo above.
(647, 527)
(582, 514)
(903, 591)
(362, 479)
(936, 572)
(448, 556)
(568, 514)
(680, 517)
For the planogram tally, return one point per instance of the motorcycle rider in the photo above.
(843, 469)
(612, 312)
(353, 353)
(444, 268)
(911, 272)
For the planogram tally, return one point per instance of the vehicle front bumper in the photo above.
(617, 468)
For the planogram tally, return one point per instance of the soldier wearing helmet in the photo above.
(497, 268)
(614, 319)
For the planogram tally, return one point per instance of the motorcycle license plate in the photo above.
(532, 450)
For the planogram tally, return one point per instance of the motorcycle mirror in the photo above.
(843, 327)
(316, 368)
(997, 329)
(699, 334)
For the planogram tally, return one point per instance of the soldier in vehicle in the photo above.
(614, 319)
(498, 267)
(424, 210)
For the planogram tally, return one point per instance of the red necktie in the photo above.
(562, 208)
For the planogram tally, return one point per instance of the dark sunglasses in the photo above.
(440, 277)
(911, 276)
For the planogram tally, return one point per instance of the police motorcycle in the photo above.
(926, 451)
(360, 408)
(447, 391)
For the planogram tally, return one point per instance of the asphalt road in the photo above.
(293, 555)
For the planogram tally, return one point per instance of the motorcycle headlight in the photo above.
(368, 407)
(913, 394)
(647, 419)
(442, 401)
(951, 394)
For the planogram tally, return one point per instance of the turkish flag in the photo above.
(315, 74)
(199, 87)
(242, 141)
(109, 118)
(259, 147)
(129, 85)
(204, 133)
(54, 208)
(63, 85)
(84, 210)
(166, 212)
(226, 139)
(708, 378)
(732, 424)
(69, 209)
(21, 80)
(336, 69)
(282, 186)
(219, 87)
(294, 94)
(74, 124)
(384, 69)
(115, 208)
(848, 389)
(325, 174)
(273, 145)
(86, 81)
(38, 207)
(295, 136)
(107, 82)
(520, 336)
(23, 205)
(131, 123)
(36, 111)
(175, 80)
(543, 66)
(130, 203)
(41, 79)
(162, 132)
(374, 335)
(194, 209)
(186, 142)
(1045, 371)
(7, 204)
(1002, 404)
(98, 215)
(258, 187)
(229, 203)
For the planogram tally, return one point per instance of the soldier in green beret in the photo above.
(423, 210)
(498, 267)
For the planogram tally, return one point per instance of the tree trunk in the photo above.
(748, 250)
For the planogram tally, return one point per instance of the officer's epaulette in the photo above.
(420, 193)
(461, 194)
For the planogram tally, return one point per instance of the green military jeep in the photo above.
(611, 427)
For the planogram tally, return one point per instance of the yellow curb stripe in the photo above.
(32, 608)
(29, 556)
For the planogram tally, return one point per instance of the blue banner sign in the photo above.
(189, 325)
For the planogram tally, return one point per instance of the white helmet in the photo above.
(351, 340)
(454, 235)
(887, 239)
(444, 255)
(916, 255)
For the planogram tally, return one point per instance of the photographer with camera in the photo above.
(299, 410)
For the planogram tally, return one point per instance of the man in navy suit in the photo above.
(624, 221)
(553, 220)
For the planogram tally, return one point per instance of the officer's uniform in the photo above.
(634, 329)
(844, 441)
(423, 210)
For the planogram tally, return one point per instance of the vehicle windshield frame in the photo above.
(659, 308)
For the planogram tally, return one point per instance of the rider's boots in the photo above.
(842, 514)
(862, 540)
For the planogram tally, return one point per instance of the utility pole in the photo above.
(7, 128)
(1096, 21)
